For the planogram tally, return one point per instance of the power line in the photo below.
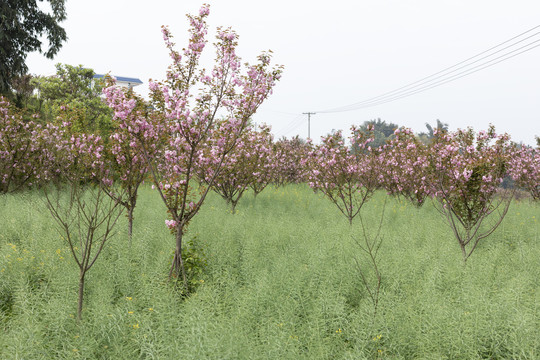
(297, 121)
(290, 127)
(420, 83)
(282, 112)
(438, 83)
(296, 126)
(431, 81)
(434, 76)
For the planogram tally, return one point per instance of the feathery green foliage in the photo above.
(280, 283)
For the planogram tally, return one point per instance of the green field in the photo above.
(280, 283)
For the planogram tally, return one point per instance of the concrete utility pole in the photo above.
(309, 123)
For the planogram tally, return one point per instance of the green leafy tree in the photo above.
(75, 87)
(23, 89)
(380, 130)
(22, 25)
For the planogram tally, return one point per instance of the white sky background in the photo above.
(335, 53)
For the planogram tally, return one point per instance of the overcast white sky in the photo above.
(335, 53)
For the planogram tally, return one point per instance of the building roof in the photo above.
(121, 79)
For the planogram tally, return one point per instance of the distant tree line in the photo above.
(381, 131)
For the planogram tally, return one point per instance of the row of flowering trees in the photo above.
(462, 171)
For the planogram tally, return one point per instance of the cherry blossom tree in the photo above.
(202, 114)
(248, 165)
(79, 180)
(404, 165)
(18, 151)
(262, 163)
(466, 170)
(348, 176)
(288, 155)
(125, 154)
(235, 174)
(525, 170)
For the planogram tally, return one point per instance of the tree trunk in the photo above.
(130, 224)
(464, 243)
(177, 266)
(81, 294)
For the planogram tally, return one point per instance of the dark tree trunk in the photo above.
(81, 294)
(177, 266)
(464, 253)
(130, 223)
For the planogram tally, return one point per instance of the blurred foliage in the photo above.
(75, 88)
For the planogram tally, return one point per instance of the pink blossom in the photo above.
(171, 224)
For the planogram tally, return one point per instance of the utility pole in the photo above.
(309, 123)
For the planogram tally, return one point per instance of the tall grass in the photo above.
(280, 283)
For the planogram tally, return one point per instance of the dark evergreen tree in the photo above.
(22, 24)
